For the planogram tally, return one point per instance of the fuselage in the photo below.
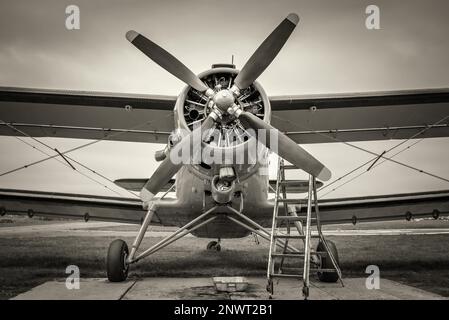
(197, 188)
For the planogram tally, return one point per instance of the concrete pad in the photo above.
(90, 289)
(355, 289)
(407, 292)
(284, 289)
(175, 288)
(204, 289)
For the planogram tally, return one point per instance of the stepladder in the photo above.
(293, 224)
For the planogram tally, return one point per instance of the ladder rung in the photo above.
(299, 255)
(293, 236)
(297, 201)
(293, 182)
(296, 275)
(281, 275)
(294, 218)
(291, 270)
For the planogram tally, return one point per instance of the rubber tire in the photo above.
(326, 263)
(213, 245)
(117, 269)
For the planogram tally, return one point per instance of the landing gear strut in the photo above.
(119, 260)
(214, 245)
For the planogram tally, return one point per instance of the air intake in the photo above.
(223, 65)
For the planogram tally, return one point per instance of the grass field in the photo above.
(417, 260)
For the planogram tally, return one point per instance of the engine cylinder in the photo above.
(229, 141)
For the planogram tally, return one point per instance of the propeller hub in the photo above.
(224, 99)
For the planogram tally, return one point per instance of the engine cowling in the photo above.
(192, 107)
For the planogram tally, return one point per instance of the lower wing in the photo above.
(332, 211)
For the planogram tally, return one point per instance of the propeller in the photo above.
(286, 147)
(167, 61)
(266, 52)
(167, 168)
(223, 102)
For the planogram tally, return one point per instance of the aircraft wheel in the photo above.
(117, 268)
(326, 263)
(214, 245)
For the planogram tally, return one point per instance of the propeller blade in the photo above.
(287, 148)
(167, 169)
(166, 60)
(266, 52)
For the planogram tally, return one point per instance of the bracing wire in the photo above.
(68, 166)
(377, 156)
(75, 148)
(64, 155)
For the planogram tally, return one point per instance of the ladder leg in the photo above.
(271, 261)
(284, 196)
(284, 249)
(307, 241)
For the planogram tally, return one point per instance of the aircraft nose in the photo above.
(224, 99)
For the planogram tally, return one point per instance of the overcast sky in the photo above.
(330, 51)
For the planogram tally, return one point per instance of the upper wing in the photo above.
(89, 115)
(340, 117)
(362, 116)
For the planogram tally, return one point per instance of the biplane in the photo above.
(213, 199)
